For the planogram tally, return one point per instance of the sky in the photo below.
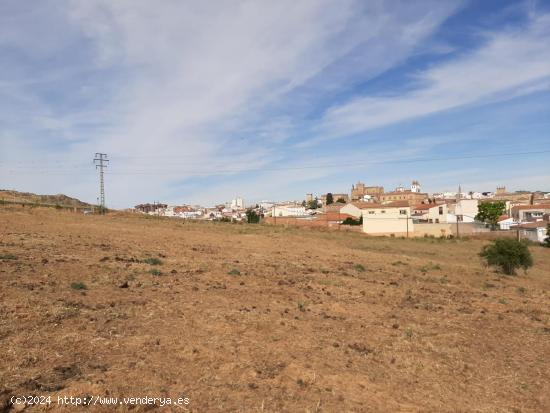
(198, 102)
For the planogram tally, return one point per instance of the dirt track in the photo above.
(252, 318)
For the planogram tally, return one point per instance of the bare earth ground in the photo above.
(252, 318)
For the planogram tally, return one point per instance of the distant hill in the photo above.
(27, 197)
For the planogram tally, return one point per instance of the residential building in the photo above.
(505, 222)
(529, 213)
(288, 210)
(187, 212)
(465, 210)
(355, 209)
(150, 208)
(334, 207)
(389, 219)
(430, 213)
(533, 231)
(266, 205)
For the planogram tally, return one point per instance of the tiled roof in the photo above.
(362, 205)
(395, 204)
(527, 207)
(422, 207)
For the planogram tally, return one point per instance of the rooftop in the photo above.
(527, 207)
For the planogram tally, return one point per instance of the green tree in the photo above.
(489, 212)
(313, 204)
(341, 200)
(252, 217)
(547, 239)
(508, 254)
(330, 200)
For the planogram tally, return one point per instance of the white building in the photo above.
(237, 203)
(290, 210)
(533, 231)
(190, 214)
(464, 210)
(390, 219)
(266, 205)
(505, 222)
(355, 208)
(431, 213)
(526, 213)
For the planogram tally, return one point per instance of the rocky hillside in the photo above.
(59, 199)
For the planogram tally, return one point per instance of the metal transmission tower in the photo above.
(101, 161)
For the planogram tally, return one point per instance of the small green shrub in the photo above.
(78, 286)
(507, 254)
(395, 263)
(351, 221)
(8, 257)
(234, 271)
(154, 271)
(431, 266)
(359, 267)
(153, 261)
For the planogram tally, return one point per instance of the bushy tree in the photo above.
(489, 212)
(547, 239)
(351, 221)
(252, 217)
(330, 200)
(313, 204)
(508, 254)
(341, 200)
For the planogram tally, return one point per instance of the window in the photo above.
(440, 210)
(383, 212)
(402, 212)
(437, 220)
(371, 212)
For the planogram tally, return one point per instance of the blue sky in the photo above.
(196, 102)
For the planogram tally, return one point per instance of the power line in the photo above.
(214, 170)
(101, 162)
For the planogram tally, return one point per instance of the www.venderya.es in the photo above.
(99, 400)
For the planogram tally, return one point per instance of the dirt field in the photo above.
(253, 318)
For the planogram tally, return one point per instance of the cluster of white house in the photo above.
(234, 210)
(402, 212)
(399, 218)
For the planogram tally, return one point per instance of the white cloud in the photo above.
(509, 64)
(185, 79)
